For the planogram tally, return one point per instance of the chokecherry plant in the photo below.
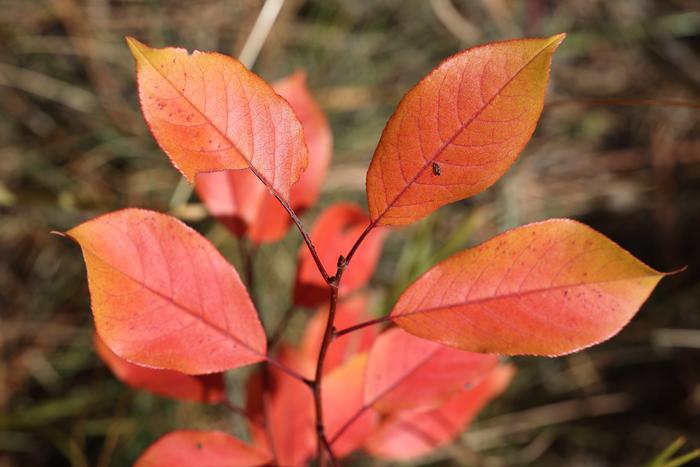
(172, 314)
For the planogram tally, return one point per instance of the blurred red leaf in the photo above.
(243, 204)
(290, 410)
(405, 372)
(459, 129)
(333, 234)
(410, 434)
(167, 383)
(163, 297)
(548, 288)
(209, 113)
(202, 448)
(342, 399)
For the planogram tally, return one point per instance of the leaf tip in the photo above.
(558, 38)
(136, 47)
(58, 233)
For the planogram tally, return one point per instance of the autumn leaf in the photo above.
(167, 383)
(243, 204)
(209, 113)
(405, 372)
(342, 393)
(290, 412)
(318, 136)
(335, 231)
(414, 433)
(210, 448)
(349, 312)
(459, 129)
(548, 288)
(163, 297)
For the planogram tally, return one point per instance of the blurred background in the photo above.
(73, 145)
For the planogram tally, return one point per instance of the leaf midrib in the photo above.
(210, 123)
(519, 294)
(462, 127)
(182, 307)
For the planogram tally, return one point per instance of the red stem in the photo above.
(322, 441)
(356, 327)
(358, 242)
(297, 221)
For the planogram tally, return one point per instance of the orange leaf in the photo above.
(163, 297)
(405, 372)
(334, 232)
(209, 113)
(459, 129)
(290, 411)
(349, 312)
(243, 204)
(548, 288)
(411, 434)
(342, 398)
(167, 383)
(200, 448)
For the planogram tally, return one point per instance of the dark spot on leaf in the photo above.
(199, 446)
(436, 169)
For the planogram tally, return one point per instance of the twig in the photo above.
(300, 227)
(356, 327)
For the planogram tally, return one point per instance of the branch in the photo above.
(322, 441)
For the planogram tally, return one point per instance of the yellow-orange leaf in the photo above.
(548, 288)
(163, 297)
(210, 448)
(459, 129)
(209, 113)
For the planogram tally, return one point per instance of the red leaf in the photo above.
(334, 233)
(405, 372)
(548, 288)
(209, 113)
(318, 136)
(243, 204)
(167, 383)
(291, 416)
(205, 448)
(410, 434)
(459, 129)
(342, 398)
(163, 297)
(349, 312)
